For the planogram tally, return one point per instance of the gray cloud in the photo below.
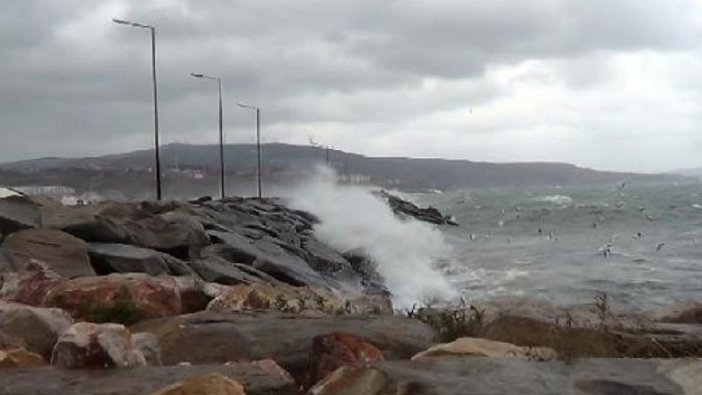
(546, 79)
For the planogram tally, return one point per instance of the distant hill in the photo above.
(696, 172)
(284, 160)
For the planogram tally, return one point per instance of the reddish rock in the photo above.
(349, 380)
(334, 350)
(97, 346)
(126, 297)
(271, 367)
(20, 358)
(30, 286)
(36, 328)
(64, 254)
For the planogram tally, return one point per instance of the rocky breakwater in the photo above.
(238, 297)
(404, 208)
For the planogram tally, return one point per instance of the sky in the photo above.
(605, 84)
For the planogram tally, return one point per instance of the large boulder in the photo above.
(29, 286)
(64, 254)
(96, 346)
(18, 212)
(124, 298)
(123, 258)
(85, 222)
(334, 350)
(475, 347)
(147, 344)
(209, 337)
(48, 380)
(493, 376)
(689, 312)
(218, 270)
(210, 384)
(36, 328)
(20, 358)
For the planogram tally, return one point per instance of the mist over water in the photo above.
(406, 251)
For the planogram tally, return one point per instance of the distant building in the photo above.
(54, 191)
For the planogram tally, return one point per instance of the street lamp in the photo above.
(153, 73)
(221, 132)
(258, 141)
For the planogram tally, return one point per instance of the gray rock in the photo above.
(37, 328)
(209, 337)
(257, 380)
(147, 344)
(18, 212)
(218, 270)
(122, 258)
(493, 376)
(64, 254)
(85, 222)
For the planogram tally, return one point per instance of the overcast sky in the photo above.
(607, 84)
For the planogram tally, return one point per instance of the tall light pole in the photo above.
(258, 142)
(153, 73)
(221, 130)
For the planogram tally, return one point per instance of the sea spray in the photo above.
(351, 217)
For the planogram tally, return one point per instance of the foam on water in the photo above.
(405, 251)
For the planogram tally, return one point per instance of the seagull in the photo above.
(660, 246)
(638, 235)
(606, 250)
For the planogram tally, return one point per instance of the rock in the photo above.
(37, 328)
(211, 384)
(459, 376)
(350, 380)
(147, 344)
(122, 258)
(685, 312)
(334, 350)
(209, 337)
(124, 298)
(218, 270)
(20, 358)
(475, 347)
(281, 297)
(85, 222)
(196, 294)
(405, 208)
(98, 346)
(48, 380)
(17, 213)
(64, 254)
(30, 286)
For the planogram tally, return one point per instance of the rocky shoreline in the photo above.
(238, 296)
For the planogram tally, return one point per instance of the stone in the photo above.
(211, 384)
(36, 328)
(218, 270)
(476, 347)
(689, 312)
(30, 286)
(86, 223)
(350, 380)
(147, 344)
(17, 213)
(50, 380)
(86, 344)
(20, 358)
(62, 253)
(334, 350)
(124, 298)
(123, 258)
(209, 337)
(281, 297)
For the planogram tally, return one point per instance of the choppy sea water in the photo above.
(549, 243)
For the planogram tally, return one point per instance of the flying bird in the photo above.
(660, 246)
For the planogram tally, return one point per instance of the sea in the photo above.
(641, 244)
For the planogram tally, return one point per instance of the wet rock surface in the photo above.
(405, 208)
(144, 380)
(87, 345)
(210, 337)
(35, 328)
(17, 213)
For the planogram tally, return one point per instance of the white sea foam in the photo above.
(556, 199)
(351, 217)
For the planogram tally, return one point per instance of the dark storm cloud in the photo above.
(73, 83)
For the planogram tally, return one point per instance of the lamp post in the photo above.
(221, 131)
(153, 74)
(258, 142)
